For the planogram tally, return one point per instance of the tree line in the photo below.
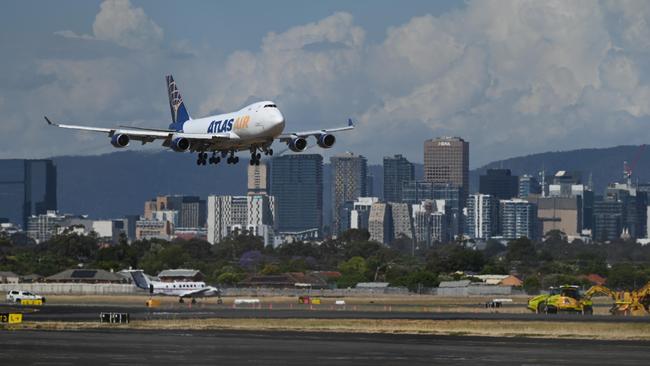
(552, 262)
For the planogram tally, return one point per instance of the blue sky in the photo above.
(511, 77)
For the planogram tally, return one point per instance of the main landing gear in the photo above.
(257, 157)
(232, 159)
(202, 158)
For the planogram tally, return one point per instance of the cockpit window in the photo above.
(270, 106)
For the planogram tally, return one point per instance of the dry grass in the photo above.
(410, 303)
(540, 329)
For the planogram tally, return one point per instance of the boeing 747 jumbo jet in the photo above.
(252, 128)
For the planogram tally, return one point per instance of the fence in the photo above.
(74, 288)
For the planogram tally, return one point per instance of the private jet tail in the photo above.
(176, 105)
(142, 281)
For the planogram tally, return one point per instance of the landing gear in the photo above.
(180, 300)
(214, 159)
(255, 158)
(193, 301)
(202, 158)
(268, 152)
(232, 159)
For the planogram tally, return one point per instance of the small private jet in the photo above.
(184, 290)
(253, 128)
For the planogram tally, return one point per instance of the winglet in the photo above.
(350, 122)
(49, 122)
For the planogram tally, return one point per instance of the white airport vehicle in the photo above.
(182, 289)
(18, 296)
(252, 128)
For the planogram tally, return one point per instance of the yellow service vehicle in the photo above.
(565, 298)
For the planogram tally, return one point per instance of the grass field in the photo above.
(537, 329)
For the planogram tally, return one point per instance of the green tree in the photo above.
(532, 285)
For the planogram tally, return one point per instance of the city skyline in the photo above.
(575, 74)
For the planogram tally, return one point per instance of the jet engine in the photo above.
(180, 144)
(120, 140)
(326, 140)
(297, 144)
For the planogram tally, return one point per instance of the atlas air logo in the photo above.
(227, 125)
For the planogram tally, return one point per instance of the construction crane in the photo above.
(629, 168)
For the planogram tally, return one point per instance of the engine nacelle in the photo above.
(180, 144)
(120, 140)
(326, 140)
(298, 144)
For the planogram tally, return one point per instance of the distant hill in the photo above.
(115, 184)
(605, 165)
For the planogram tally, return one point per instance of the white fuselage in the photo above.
(175, 288)
(259, 123)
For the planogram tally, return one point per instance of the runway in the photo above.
(116, 347)
(91, 313)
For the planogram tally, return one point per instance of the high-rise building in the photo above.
(225, 215)
(297, 185)
(193, 212)
(482, 216)
(414, 192)
(518, 219)
(528, 185)
(379, 223)
(397, 170)
(608, 220)
(499, 183)
(258, 179)
(41, 227)
(27, 188)
(261, 217)
(559, 213)
(349, 173)
(446, 161)
(401, 218)
(430, 223)
(634, 207)
(361, 212)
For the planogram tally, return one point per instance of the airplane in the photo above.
(191, 290)
(253, 128)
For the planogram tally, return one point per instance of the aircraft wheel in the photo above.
(236, 160)
(258, 156)
(251, 162)
(229, 160)
(193, 301)
(270, 152)
(257, 162)
(181, 300)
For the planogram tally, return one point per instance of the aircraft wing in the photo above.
(146, 134)
(201, 292)
(288, 136)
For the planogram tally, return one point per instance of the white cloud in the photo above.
(119, 22)
(512, 77)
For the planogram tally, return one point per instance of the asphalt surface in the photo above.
(108, 347)
(91, 313)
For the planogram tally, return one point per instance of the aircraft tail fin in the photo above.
(141, 280)
(176, 105)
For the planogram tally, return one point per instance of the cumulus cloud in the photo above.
(512, 77)
(119, 22)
